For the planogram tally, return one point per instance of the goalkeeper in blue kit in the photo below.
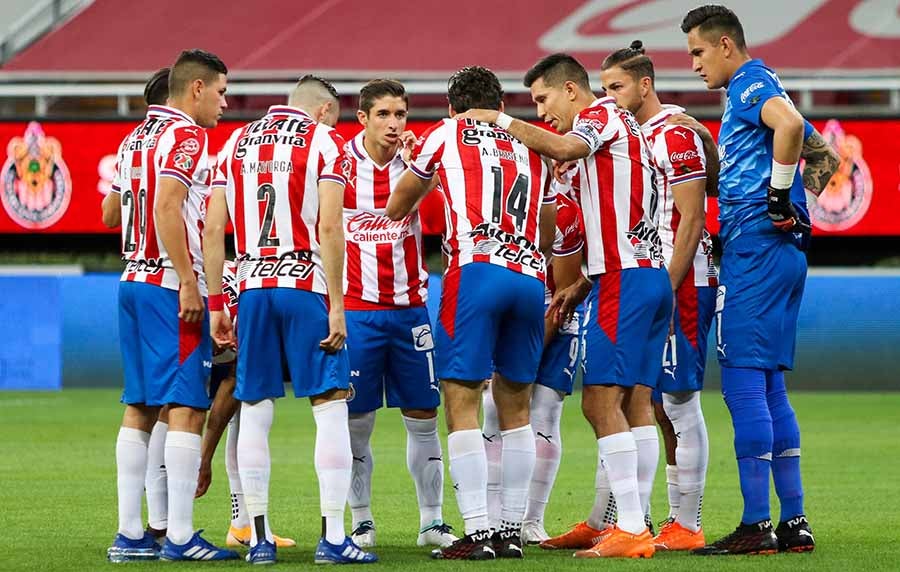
(765, 229)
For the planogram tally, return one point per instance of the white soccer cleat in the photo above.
(436, 534)
(533, 532)
(364, 534)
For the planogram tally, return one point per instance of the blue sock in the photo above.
(786, 447)
(744, 390)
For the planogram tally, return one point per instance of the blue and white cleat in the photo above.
(125, 549)
(345, 553)
(197, 548)
(262, 553)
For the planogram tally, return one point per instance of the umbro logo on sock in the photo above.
(435, 459)
(489, 439)
(360, 459)
(678, 435)
(455, 486)
(547, 437)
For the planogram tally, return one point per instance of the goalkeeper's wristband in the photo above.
(216, 302)
(782, 175)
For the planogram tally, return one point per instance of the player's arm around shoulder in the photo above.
(557, 147)
(821, 162)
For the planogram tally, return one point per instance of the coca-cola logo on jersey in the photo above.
(371, 227)
(683, 156)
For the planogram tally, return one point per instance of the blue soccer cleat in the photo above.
(262, 553)
(125, 549)
(197, 548)
(345, 553)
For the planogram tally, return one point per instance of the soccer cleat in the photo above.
(241, 537)
(125, 549)
(673, 536)
(621, 544)
(580, 537)
(197, 548)
(345, 553)
(533, 532)
(475, 546)
(436, 534)
(262, 553)
(507, 544)
(757, 538)
(794, 535)
(364, 534)
(158, 534)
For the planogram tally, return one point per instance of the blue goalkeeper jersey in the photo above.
(745, 150)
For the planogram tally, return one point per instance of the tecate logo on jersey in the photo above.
(297, 265)
(371, 227)
(680, 156)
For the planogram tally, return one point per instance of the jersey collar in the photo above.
(358, 148)
(166, 111)
(287, 110)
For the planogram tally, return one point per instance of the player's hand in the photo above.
(204, 479)
(565, 301)
(686, 120)
(190, 304)
(561, 170)
(782, 212)
(483, 115)
(221, 329)
(408, 143)
(337, 332)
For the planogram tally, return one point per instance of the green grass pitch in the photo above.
(57, 488)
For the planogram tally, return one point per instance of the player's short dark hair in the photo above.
(378, 88)
(633, 60)
(157, 89)
(192, 65)
(557, 69)
(474, 87)
(716, 19)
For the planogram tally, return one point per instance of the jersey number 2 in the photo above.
(266, 192)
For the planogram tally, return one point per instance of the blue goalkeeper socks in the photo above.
(786, 447)
(744, 390)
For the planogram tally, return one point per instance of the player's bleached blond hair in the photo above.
(312, 91)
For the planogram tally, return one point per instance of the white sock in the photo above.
(183, 467)
(603, 513)
(155, 482)
(691, 455)
(468, 469)
(546, 411)
(131, 470)
(619, 455)
(239, 516)
(647, 441)
(360, 496)
(672, 490)
(493, 449)
(518, 467)
(334, 465)
(426, 465)
(255, 464)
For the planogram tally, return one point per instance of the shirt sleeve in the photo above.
(428, 152)
(593, 126)
(188, 149)
(750, 92)
(684, 160)
(334, 165)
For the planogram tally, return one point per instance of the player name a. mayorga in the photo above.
(273, 166)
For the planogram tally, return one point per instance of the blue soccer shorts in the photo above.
(562, 356)
(165, 359)
(490, 319)
(626, 324)
(684, 357)
(279, 339)
(391, 353)
(763, 274)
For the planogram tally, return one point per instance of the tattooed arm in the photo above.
(821, 163)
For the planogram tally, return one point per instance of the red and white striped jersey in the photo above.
(385, 265)
(618, 195)
(167, 143)
(271, 169)
(493, 188)
(679, 158)
(569, 237)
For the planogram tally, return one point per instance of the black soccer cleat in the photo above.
(507, 543)
(794, 535)
(475, 546)
(757, 538)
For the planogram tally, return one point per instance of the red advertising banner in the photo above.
(55, 174)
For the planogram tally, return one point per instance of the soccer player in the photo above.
(765, 229)
(162, 179)
(555, 379)
(500, 219)
(630, 302)
(681, 161)
(281, 180)
(390, 347)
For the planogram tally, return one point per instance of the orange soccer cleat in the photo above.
(241, 537)
(581, 536)
(673, 536)
(621, 544)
